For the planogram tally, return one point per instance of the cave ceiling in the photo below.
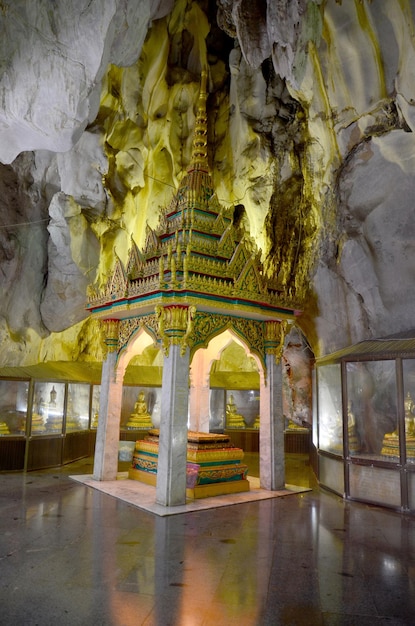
(311, 117)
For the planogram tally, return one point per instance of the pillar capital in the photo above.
(175, 324)
(274, 333)
(110, 331)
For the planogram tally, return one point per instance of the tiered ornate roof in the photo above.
(197, 255)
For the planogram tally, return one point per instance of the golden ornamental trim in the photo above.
(175, 325)
(206, 326)
(110, 330)
(129, 327)
(274, 338)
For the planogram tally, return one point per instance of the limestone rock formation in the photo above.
(311, 119)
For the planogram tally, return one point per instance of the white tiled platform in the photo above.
(144, 496)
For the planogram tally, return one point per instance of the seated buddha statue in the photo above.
(140, 418)
(4, 429)
(233, 418)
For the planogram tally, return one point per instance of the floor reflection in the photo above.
(73, 555)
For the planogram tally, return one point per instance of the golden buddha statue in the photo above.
(38, 425)
(409, 426)
(409, 415)
(233, 418)
(4, 429)
(140, 418)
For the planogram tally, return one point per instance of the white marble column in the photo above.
(108, 431)
(171, 470)
(271, 434)
(199, 408)
(199, 394)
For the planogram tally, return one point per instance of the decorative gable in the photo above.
(238, 260)
(136, 261)
(117, 284)
(152, 243)
(250, 281)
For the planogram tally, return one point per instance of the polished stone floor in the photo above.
(73, 556)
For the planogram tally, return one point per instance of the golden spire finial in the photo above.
(199, 149)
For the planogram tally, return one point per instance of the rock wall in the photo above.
(311, 117)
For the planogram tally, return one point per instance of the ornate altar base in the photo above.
(198, 491)
(213, 464)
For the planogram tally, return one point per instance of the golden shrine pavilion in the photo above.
(198, 276)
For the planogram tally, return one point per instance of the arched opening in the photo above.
(225, 382)
(142, 391)
(202, 414)
(140, 364)
(234, 385)
(133, 372)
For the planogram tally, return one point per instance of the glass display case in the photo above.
(140, 409)
(372, 426)
(13, 407)
(366, 422)
(236, 412)
(330, 423)
(217, 410)
(77, 407)
(408, 370)
(45, 423)
(242, 408)
(95, 396)
(47, 410)
(233, 409)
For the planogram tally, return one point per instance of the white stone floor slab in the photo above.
(144, 496)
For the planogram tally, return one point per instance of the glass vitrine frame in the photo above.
(48, 408)
(130, 397)
(243, 403)
(77, 407)
(14, 407)
(378, 423)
